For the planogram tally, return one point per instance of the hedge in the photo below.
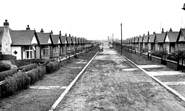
(52, 66)
(4, 66)
(7, 73)
(21, 80)
(14, 83)
(28, 67)
(36, 74)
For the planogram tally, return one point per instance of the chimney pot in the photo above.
(170, 30)
(51, 32)
(6, 23)
(42, 31)
(28, 27)
(162, 30)
(66, 34)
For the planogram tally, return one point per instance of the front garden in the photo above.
(173, 60)
(28, 72)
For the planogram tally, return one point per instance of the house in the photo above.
(63, 46)
(69, 44)
(45, 44)
(151, 41)
(145, 42)
(20, 43)
(171, 41)
(136, 42)
(56, 45)
(140, 43)
(180, 45)
(159, 41)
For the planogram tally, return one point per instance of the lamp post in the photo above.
(121, 38)
(183, 7)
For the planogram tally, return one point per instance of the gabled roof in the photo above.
(1, 33)
(145, 38)
(69, 40)
(44, 38)
(172, 36)
(140, 39)
(22, 37)
(55, 39)
(76, 39)
(73, 40)
(151, 38)
(160, 38)
(136, 40)
(181, 36)
(63, 39)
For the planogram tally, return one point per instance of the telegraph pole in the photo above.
(121, 38)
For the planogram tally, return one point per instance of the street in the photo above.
(111, 83)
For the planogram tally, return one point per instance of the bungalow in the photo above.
(145, 42)
(56, 44)
(140, 43)
(45, 43)
(181, 40)
(136, 42)
(20, 43)
(151, 41)
(159, 41)
(69, 44)
(170, 41)
(63, 46)
(73, 44)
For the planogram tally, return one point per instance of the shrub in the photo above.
(36, 74)
(160, 54)
(33, 74)
(7, 73)
(52, 66)
(28, 67)
(9, 86)
(14, 83)
(4, 66)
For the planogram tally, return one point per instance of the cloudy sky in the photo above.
(94, 19)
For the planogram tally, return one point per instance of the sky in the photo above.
(94, 19)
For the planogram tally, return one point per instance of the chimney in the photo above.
(69, 35)
(60, 33)
(66, 34)
(51, 32)
(162, 30)
(42, 31)
(6, 40)
(6, 24)
(170, 30)
(28, 27)
(154, 32)
(148, 33)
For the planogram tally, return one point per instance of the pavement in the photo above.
(112, 83)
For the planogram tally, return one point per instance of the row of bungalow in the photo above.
(29, 44)
(169, 41)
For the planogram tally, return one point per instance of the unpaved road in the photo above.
(111, 83)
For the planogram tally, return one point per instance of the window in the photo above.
(46, 51)
(29, 52)
(56, 51)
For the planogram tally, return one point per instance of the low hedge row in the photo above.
(4, 66)
(28, 67)
(7, 73)
(36, 74)
(14, 83)
(21, 80)
(52, 66)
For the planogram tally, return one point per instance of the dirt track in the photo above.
(111, 83)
